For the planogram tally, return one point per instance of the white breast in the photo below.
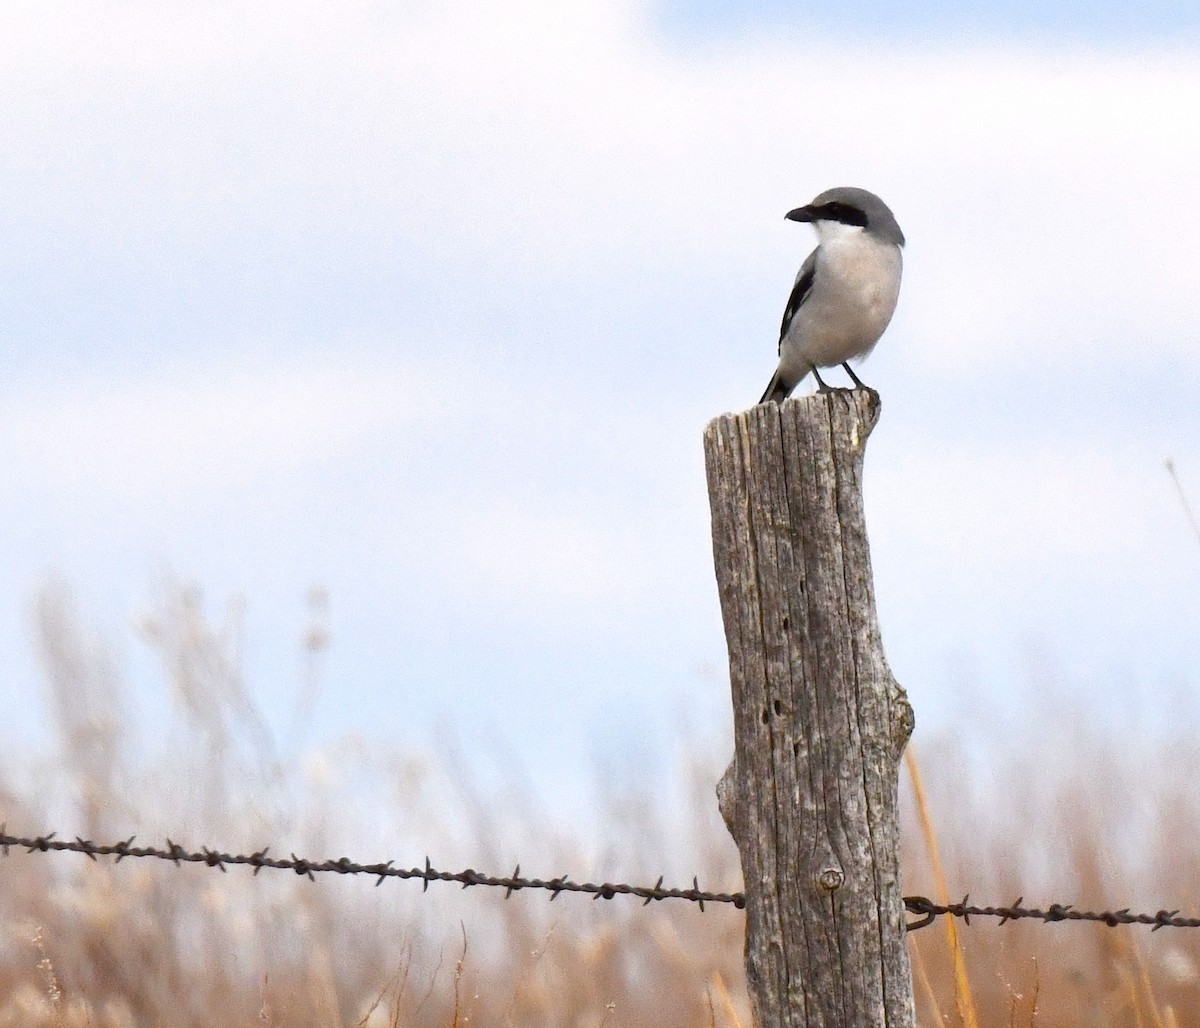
(854, 294)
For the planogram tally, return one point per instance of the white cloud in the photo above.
(537, 559)
(524, 155)
(971, 504)
(1040, 191)
(200, 430)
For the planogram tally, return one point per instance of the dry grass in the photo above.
(144, 944)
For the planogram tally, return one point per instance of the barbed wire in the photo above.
(260, 859)
(1054, 912)
(345, 866)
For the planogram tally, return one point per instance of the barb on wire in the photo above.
(921, 905)
(1055, 912)
(345, 866)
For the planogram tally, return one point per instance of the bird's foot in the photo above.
(858, 382)
(821, 386)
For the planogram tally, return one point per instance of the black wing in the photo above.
(800, 291)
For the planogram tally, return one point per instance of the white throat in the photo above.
(837, 231)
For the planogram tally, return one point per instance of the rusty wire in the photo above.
(1055, 912)
(209, 857)
(345, 866)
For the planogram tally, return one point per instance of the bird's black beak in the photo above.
(802, 214)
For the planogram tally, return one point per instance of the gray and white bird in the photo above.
(846, 290)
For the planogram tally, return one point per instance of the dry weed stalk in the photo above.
(190, 947)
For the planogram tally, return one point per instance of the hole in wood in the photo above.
(831, 878)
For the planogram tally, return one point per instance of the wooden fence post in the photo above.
(819, 721)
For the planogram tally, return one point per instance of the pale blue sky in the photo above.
(430, 308)
(1053, 23)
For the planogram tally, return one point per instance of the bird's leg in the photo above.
(858, 384)
(821, 386)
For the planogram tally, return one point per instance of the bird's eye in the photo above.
(844, 213)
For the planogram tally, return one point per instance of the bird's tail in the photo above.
(780, 387)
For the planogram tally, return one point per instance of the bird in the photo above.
(845, 292)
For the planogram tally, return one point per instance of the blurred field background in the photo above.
(1057, 807)
(428, 303)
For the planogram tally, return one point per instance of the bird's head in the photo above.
(847, 210)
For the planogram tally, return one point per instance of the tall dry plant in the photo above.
(1060, 812)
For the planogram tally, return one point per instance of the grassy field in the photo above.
(1070, 813)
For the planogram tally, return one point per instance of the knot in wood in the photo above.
(831, 878)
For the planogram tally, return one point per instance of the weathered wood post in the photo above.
(819, 721)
